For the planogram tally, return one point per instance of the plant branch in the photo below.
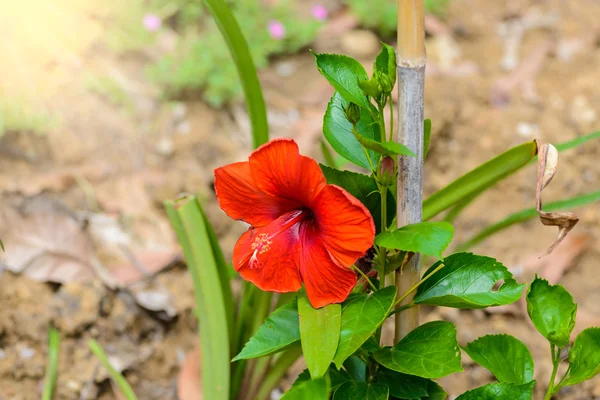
(555, 363)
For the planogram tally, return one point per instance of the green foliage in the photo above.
(280, 330)
(428, 238)
(362, 315)
(552, 311)
(381, 15)
(319, 334)
(315, 389)
(52, 367)
(405, 386)
(504, 356)
(467, 281)
(584, 357)
(21, 116)
(353, 390)
(385, 63)
(426, 137)
(339, 133)
(500, 391)
(429, 351)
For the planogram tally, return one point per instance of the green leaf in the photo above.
(189, 224)
(436, 392)
(336, 377)
(467, 281)
(504, 356)
(315, 389)
(528, 214)
(356, 368)
(2, 246)
(500, 391)
(429, 351)
(280, 330)
(384, 148)
(552, 311)
(584, 357)
(385, 62)
(404, 386)
(364, 188)
(319, 334)
(343, 73)
(482, 177)
(338, 132)
(362, 315)
(361, 391)
(240, 53)
(426, 137)
(428, 238)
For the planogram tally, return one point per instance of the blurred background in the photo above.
(108, 109)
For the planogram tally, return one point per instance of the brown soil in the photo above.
(121, 164)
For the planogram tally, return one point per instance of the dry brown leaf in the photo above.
(565, 221)
(189, 385)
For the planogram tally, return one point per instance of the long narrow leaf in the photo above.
(115, 375)
(238, 48)
(462, 204)
(189, 224)
(52, 368)
(528, 214)
(481, 177)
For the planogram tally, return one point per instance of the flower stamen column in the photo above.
(411, 77)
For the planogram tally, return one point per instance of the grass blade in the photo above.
(528, 214)
(478, 179)
(246, 69)
(115, 375)
(188, 221)
(52, 368)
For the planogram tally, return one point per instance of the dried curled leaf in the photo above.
(547, 165)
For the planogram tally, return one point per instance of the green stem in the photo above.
(416, 285)
(52, 369)
(354, 267)
(112, 372)
(355, 132)
(383, 250)
(560, 383)
(555, 362)
(246, 69)
(273, 377)
(401, 308)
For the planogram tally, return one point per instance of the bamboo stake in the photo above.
(411, 82)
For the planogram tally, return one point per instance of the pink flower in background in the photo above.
(319, 12)
(152, 22)
(276, 29)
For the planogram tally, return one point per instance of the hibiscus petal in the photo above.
(241, 199)
(344, 224)
(279, 170)
(326, 281)
(268, 256)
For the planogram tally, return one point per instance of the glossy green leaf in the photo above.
(552, 311)
(343, 73)
(336, 377)
(467, 281)
(319, 334)
(362, 315)
(311, 389)
(428, 238)
(426, 137)
(484, 176)
(280, 330)
(361, 391)
(364, 188)
(429, 351)
(436, 392)
(356, 368)
(500, 391)
(240, 53)
(385, 63)
(584, 357)
(189, 224)
(338, 132)
(504, 356)
(528, 214)
(384, 148)
(404, 386)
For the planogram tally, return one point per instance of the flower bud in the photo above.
(370, 87)
(352, 113)
(385, 83)
(387, 172)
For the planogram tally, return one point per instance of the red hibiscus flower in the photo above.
(303, 230)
